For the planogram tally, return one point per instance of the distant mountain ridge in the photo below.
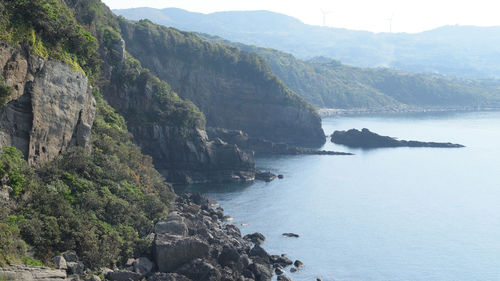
(328, 83)
(464, 51)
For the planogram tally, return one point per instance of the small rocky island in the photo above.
(367, 139)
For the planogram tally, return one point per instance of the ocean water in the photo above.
(416, 214)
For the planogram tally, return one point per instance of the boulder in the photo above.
(279, 270)
(59, 262)
(172, 252)
(75, 267)
(258, 251)
(200, 270)
(143, 266)
(298, 264)
(282, 260)
(228, 256)
(173, 224)
(264, 176)
(261, 271)
(256, 238)
(284, 278)
(70, 256)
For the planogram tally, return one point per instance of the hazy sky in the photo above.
(373, 15)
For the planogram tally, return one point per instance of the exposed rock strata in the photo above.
(188, 156)
(367, 139)
(51, 106)
(27, 273)
(234, 89)
(183, 155)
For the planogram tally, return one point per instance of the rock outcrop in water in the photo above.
(367, 139)
(262, 146)
(51, 107)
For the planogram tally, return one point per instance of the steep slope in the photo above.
(234, 89)
(78, 182)
(451, 50)
(331, 84)
(166, 127)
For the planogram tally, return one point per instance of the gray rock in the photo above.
(70, 256)
(200, 270)
(298, 264)
(30, 273)
(293, 270)
(284, 278)
(172, 252)
(59, 262)
(258, 251)
(282, 260)
(76, 267)
(123, 275)
(279, 271)
(130, 262)
(173, 224)
(262, 272)
(228, 256)
(289, 234)
(143, 266)
(160, 276)
(256, 238)
(51, 107)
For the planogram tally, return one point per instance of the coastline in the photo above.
(332, 112)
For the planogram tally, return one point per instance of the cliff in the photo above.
(234, 89)
(50, 108)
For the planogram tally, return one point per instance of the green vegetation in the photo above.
(145, 38)
(460, 51)
(48, 29)
(328, 83)
(100, 203)
(166, 108)
(5, 92)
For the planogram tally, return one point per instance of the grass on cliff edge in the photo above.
(48, 29)
(102, 203)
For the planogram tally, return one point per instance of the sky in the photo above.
(372, 15)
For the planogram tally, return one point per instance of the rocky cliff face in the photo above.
(176, 140)
(51, 107)
(184, 155)
(234, 89)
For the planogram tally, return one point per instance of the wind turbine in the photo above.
(390, 22)
(325, 13)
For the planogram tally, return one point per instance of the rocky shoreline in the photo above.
(191, 244)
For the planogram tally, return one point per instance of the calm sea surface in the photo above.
(423, 214)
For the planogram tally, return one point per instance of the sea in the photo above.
(388, 214)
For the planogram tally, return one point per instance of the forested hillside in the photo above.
(462, 51)
(330, 84)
